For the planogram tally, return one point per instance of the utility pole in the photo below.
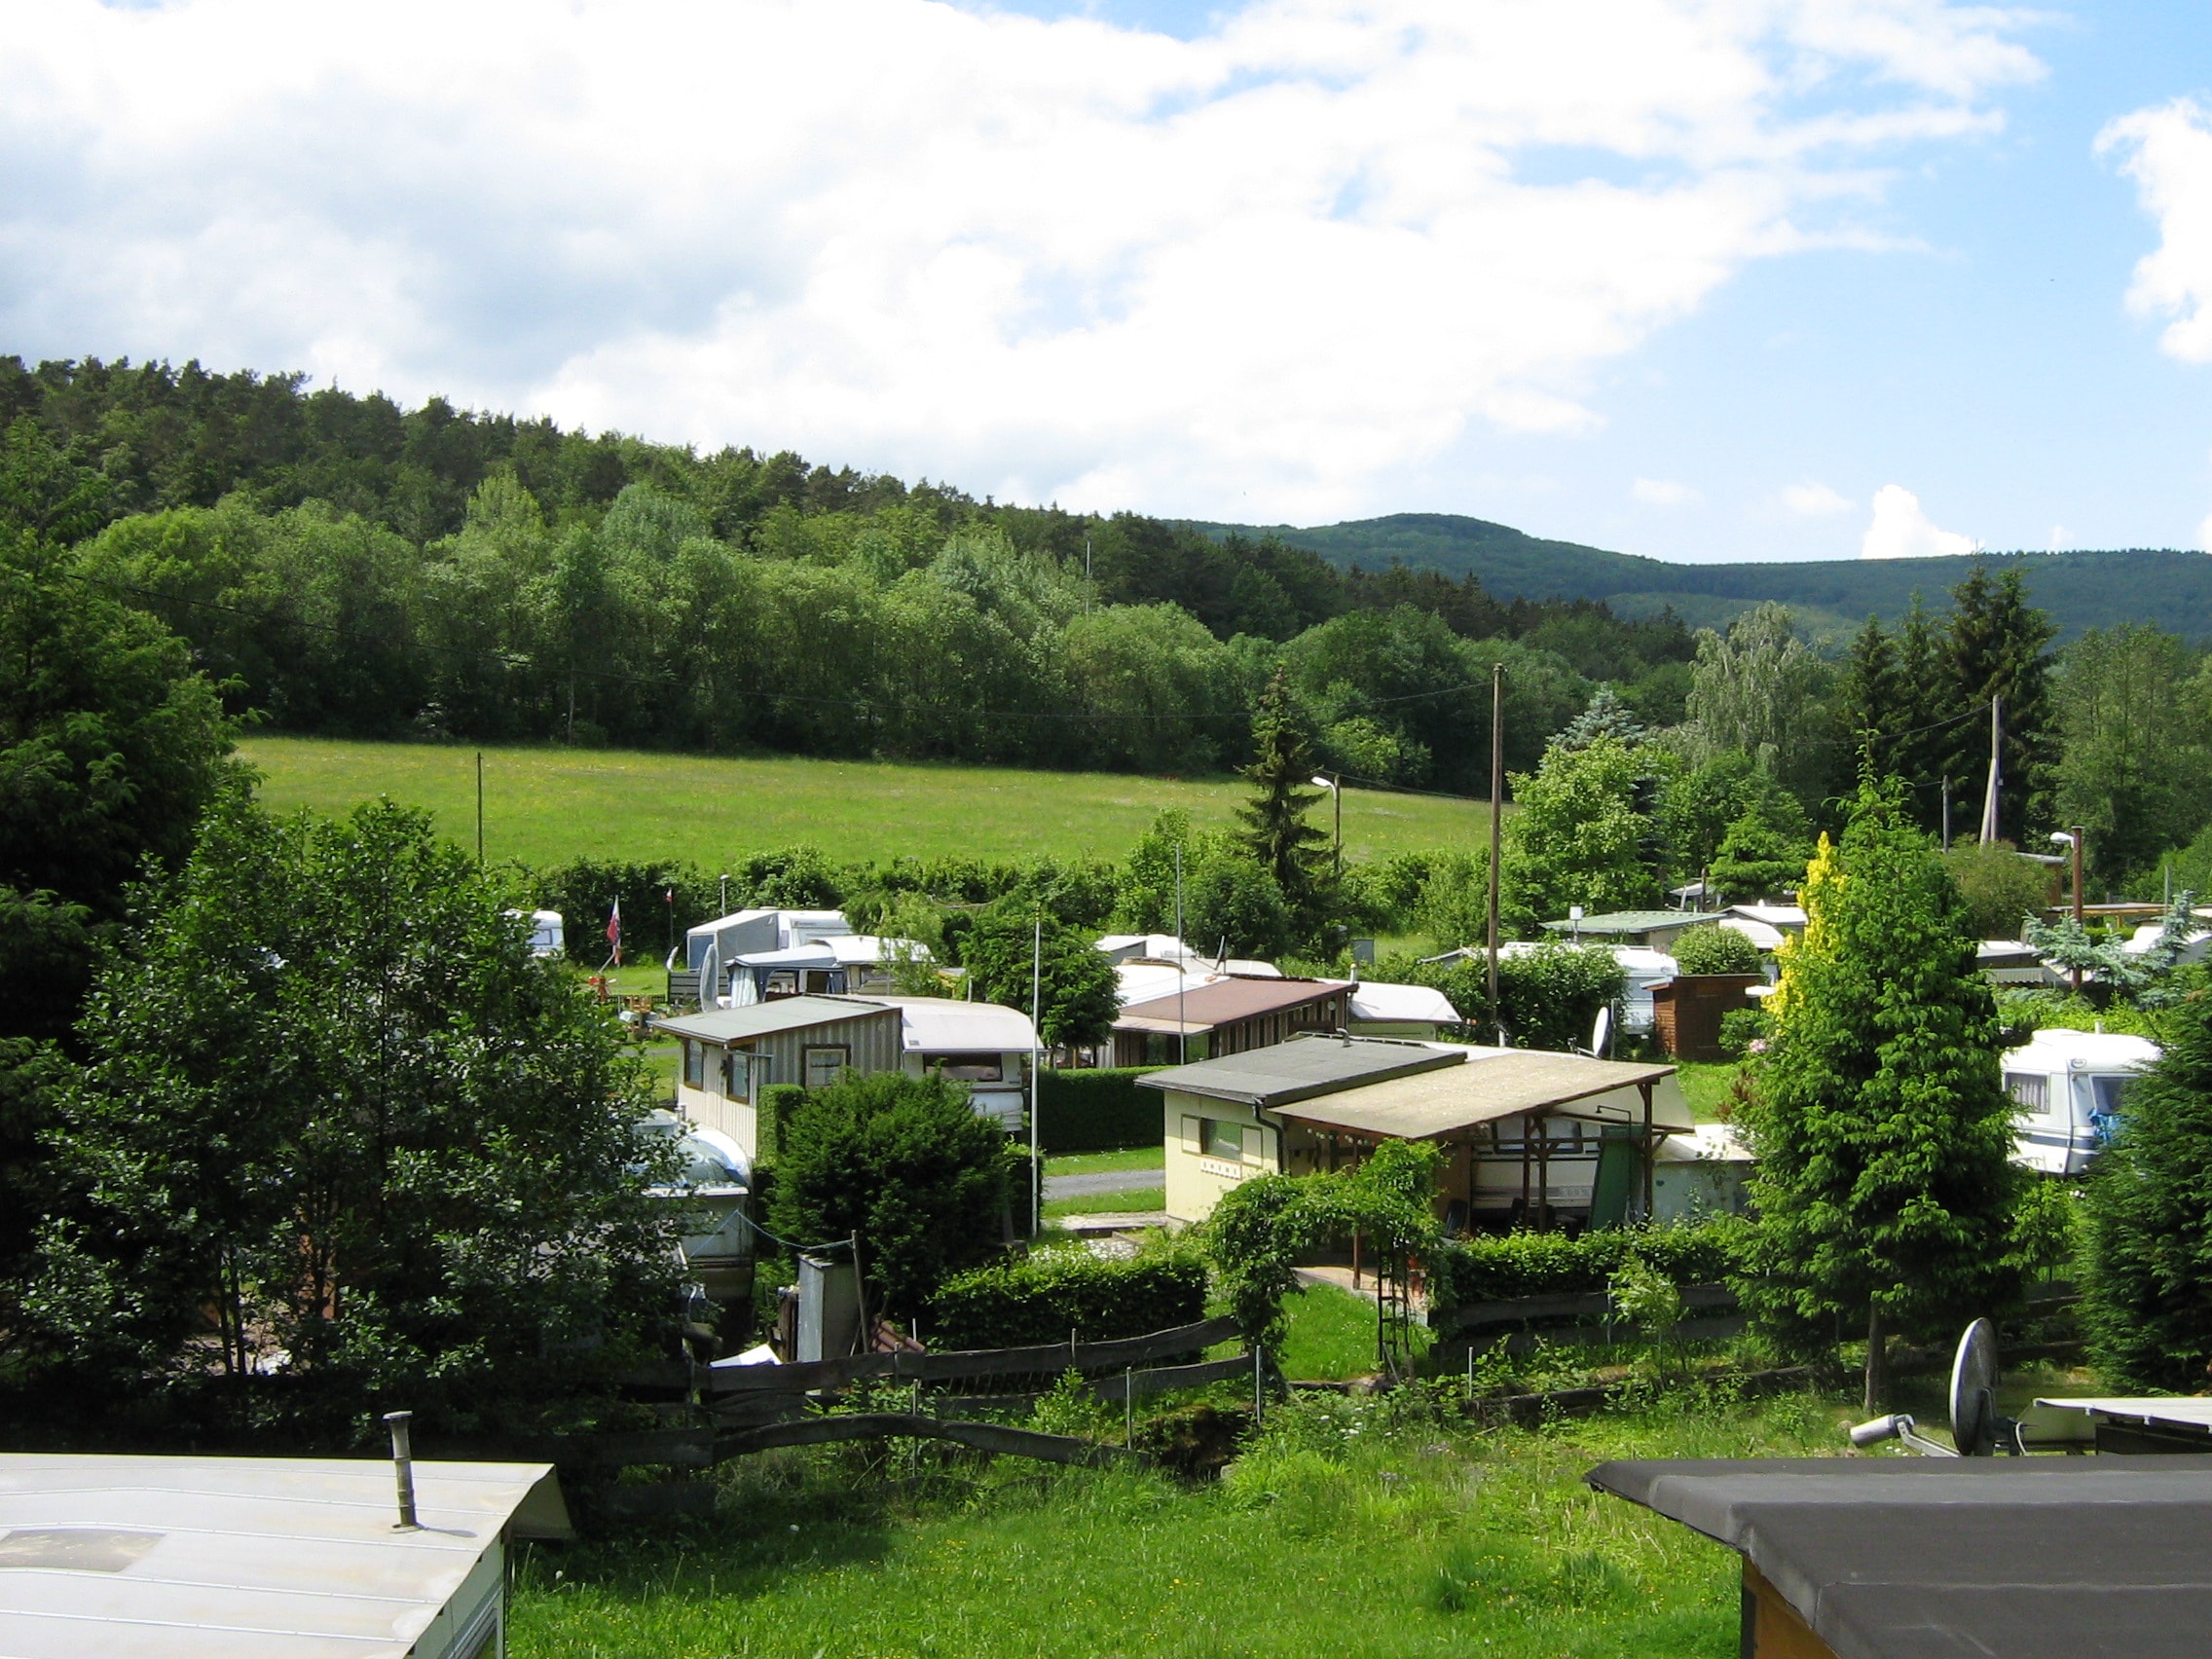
(1497, 826)
(480, 809)
(1181, 1037)
(2080, 835)
(1989, 801)
(1036, 1065)
(1946, 813)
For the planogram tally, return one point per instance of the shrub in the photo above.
(1742, 1028)
(1019, 1300)
(1553, 993)
(1097, 1110)
(906, 1164)
(1498, 1268)
(779, 1101)
(1716, 949)
(2000, 887)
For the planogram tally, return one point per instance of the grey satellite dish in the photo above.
(1976, 1430)
(1973, 1392)
(1601, 1032)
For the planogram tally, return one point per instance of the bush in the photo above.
(906, 1164)
(779, 1102)
(2000, 887)
(1022, 1300)
(1741, 1027)
(1097, 1110)
(1552, 994)
(1498, 1268)
(1716, 949)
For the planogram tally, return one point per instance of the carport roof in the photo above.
(1494, 1085)
(1303, 1067)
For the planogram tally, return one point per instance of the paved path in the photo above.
(1104, 1181)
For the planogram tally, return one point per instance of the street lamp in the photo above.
(2073, 841)
(1335, 786)
(724, 911)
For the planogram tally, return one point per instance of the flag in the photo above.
(614, 932)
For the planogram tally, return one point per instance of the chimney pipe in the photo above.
(403, 1469)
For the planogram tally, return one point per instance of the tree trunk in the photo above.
(1877, 1363)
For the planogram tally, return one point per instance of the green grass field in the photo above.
(548, 806)
(1349, 1527)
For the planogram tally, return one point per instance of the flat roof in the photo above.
(1304, 1066)
(947, 1025)
(1635, 921)
(768, 1018)
(245, 1556)
(1934, 1558)
(1221, 1002)
(1494, 1084)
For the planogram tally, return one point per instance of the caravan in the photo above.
(2070, 1088)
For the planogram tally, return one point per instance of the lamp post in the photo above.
(2072, 840)
(1336, 787)
(726, 896)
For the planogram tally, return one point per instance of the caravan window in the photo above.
(2028, 1089)
(826, 1063)
(737, 1075)
(694, 1065)
(2099, 1097)
(966, 1068)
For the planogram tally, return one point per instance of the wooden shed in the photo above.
(1687, 1009)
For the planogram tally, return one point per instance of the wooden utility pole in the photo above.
(480, 809)
(1497, 826)
(1036, 1064)
(1989, 801)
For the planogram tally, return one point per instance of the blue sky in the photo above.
(1798, 279)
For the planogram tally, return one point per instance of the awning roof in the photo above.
(1223, 1002)
(1303, 1067)
(1938, 1558)
(767, 1018)
(1494, 1084)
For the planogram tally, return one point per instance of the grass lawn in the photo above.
(548, 806)
(1705, 1087)
(1349, 1527)
(1105, 1162)
(1330, 1335)
(1136, 1200)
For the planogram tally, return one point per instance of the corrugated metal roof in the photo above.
(1303, 1067)
(767, 1018)
(1225, 1001)
(242, 1557)
(1494, 1084)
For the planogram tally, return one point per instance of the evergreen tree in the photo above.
(1605, 717)
(1275, 827)
(1764, 851)
(1922, 755)
(1873, 706)
(2147, 1297)
(1998, 645)
(1885, 1183)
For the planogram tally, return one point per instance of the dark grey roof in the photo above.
(1937, 1557)
(767, 1018)
(1302, 1068)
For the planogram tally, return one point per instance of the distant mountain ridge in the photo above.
(2081, 589)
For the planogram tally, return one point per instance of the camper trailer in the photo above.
(2070, 1088)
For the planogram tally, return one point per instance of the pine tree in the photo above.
(1275, 827)
(1605, 717)
(2148, 1296)
(1872, 705)
(1921, 755)
(1884, 1134)
(1998, 645)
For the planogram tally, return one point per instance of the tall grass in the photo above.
(1347, 1526)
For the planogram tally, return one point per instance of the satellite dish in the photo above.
(1973, 1392)
(1601, 1032)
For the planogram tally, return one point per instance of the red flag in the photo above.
(614, 932)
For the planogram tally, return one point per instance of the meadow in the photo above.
(549, 806)
(1345, 1526)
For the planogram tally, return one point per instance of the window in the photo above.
(966, 1068)
(2028, 1091)
(694, 1065)
(1221, 1140)
(737, 1075)
(825, 1064)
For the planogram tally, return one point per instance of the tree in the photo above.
(1078, 985)
(1874, 706)
(1605, 717)
(1577, 838)
(1763, 690)
(1763, 854)
(1998, 645)
(1275, 828)
(332, 1098)
(1712, 948)
(2135, 745)
(905, 1165)
(1233, 907)
(1884, 1184)
(2147, 1299)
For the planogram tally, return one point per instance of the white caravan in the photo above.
(2070, 1089)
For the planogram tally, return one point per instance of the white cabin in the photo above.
(2070, 1086)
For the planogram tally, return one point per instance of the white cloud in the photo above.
(1815, 500)
(1659, 493)
(2167, 150)
(1902, 531)
(1259, 269)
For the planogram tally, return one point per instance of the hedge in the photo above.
(1042, 1297)
(1498, 1267)
(1097, 1110)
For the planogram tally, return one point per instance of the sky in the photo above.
(1707, 279)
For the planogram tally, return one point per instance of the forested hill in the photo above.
(2079, 589)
